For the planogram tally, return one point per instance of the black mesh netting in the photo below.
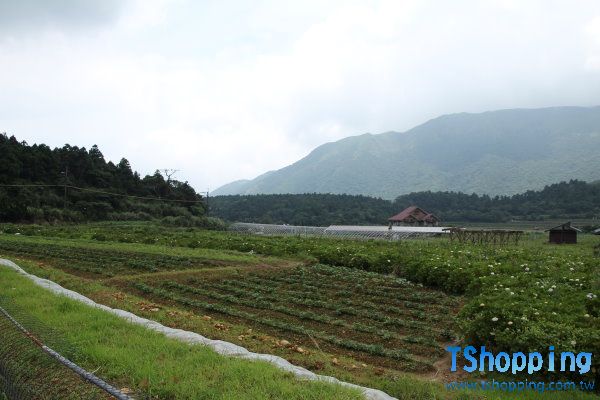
(29, 372)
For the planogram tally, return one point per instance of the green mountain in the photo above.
(496, 152)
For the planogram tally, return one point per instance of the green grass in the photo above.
(153, 364)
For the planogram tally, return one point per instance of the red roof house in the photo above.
(414, 216)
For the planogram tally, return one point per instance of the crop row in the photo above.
(107, 262)
(311, 299)
(411, 301)
(409, 294)
(361, 281)
(343, 302)
(259, 302)
(324, 300)
(324, 275)
(409, 363)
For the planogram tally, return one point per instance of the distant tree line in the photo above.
(22, 164)
(302, 209)
(573, 199)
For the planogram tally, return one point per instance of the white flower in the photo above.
(587, 315)
(573, 342)
(589, 296)
(510, 322)
(512, 293)
(494, 319)
(481, 305)
(550, 290)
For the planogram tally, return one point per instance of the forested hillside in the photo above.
(95, 189)
(502, 152)
(302, 209)
(574, 199)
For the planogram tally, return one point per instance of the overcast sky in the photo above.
(224, 90)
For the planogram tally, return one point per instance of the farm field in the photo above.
(328, 319)
(397, 325)
(383, 322)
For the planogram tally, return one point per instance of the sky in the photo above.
(225, 90)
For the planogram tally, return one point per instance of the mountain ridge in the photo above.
(493, 152)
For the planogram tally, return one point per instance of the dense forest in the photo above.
(73, 184)
(302, 209)
(574, 199)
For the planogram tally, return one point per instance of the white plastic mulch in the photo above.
(221, 347)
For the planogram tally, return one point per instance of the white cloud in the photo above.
(225, 90)
(593, 30)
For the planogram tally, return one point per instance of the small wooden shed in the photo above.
(565, 233)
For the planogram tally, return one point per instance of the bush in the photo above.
(195, 222)
(129, 216)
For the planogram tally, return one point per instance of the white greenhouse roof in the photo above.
(377, 228)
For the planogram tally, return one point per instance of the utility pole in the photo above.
(207, 203)
(65, 187)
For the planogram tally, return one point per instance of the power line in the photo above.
(104, 192)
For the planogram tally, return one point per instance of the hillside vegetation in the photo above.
(568, 200)
(95, 189)
(497, 152)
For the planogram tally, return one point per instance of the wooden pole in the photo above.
(65, 194)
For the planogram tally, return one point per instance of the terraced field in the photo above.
(375, 319)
